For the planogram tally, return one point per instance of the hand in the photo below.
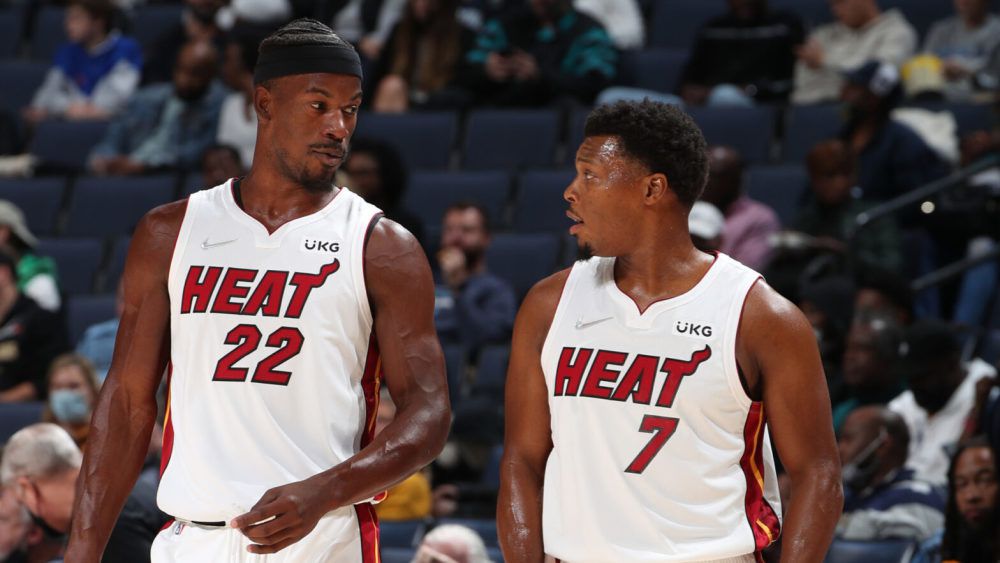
(445, 501)
(454, 269)
(33, 115)
(810, 53)
(84, 110)
(954, 70)
(498, 67)
(283, 516)
(524, 65)
(370, 47)
(120, 166)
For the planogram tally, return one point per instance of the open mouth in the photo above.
(330, 157)
(577, 222)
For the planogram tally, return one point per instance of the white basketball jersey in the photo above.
(273, 363)
(658, 454)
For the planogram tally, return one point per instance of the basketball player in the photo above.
(641, 379)
(276, 301)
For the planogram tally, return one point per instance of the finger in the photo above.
(276, 537)
(256, 514)
(260, 531)
(264, 549)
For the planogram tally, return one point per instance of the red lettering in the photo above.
(198, 289)
(267, 295)
(230, 288)
(569, 372)
(304, 284)
(676, 370)
(599, 373)
(638, 381)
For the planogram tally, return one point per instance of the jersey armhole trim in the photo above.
(360, 283)
(183, 234)
(567, 290)
(737, 384)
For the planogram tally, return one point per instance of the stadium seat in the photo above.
(77, 261)
(491, 473)
(990, 346)
(15, 416)
(486, 528)
(397, 554)
(522, 260)
(748, 130)
(454, 364)
(491, 373)
(813, 12)
(82, 311)
(574, 133)
(49, 33)
(540, 205)
(779, 187)
(404, 533)
(65, 145)
(509, 139)
(430, 193)
(675, 23)
(149, 22)
(424, 140)
(11, 25)
(887, 551)
(18, 82)
(129, 198)
(116, 264)
(654, 69)
(38, 198)
(807, 125)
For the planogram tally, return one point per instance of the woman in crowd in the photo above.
(72, 391)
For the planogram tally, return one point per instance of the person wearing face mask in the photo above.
(941, 395)
(882, 499)
(73, 390)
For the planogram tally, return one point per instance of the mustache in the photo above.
(336, 148)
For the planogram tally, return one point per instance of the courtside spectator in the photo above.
(219, 163)
(885, 291)
(197, 23)
(40, 464)
(238, 118)
(72, 391)
(870, 376)
(705, 222)
(36, 275)
(376, 172)
(452, 543)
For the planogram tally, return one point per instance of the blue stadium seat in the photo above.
(116, 264)
(887, 551)
(15, 416)
(813, 12)
(11, 26)
(149, 22)
(112, 206)
(807, 125)
(18, 82)
(82, 311)
(65, 145)
(675, 23)
(491, 473)
(779, 187)
(397, 554)
(486, 528)
(509, 139)
(522, 260)
(574, 133)
(654, 69)
(540, 204)
(748, 130)
(49, 33)
(405, 533)
(430, 193)
(454, 364)
(491, 373)
(991, 346)
(424, 140)
(38, 198)
(77, 261)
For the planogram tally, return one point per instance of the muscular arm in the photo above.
(126, 410)
(781, 362)
(401, 290)
(527, 439)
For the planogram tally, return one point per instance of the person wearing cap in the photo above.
(275, 365)
(941, 395)
(892, 158)
(706, 223)
(36, 275)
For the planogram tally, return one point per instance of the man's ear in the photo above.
(263, 100)
(657, 187)
(26, 493)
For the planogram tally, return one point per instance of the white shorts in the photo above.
(348, 535)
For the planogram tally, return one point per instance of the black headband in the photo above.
(306, 59)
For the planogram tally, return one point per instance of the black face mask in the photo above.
(49, 532)
(16, 557)
(857, 473)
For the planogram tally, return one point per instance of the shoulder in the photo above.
(391, 249)
(894, 20)
(159, 227)
(771, 324)
(539, 306)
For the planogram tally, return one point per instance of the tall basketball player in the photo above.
(643, 382)
(275, 302)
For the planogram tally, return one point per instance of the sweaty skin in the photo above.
(623, 210)
(294, 163)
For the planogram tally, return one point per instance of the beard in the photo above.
(584, 252)
(312, 182)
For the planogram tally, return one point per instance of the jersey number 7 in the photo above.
(663, 428)
(288, 341)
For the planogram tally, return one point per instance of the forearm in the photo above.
(817, 501)
(19, 393)
(519, 513)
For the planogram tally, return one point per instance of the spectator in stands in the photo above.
(452, 543)
(40, 464)
(72, 391)
(743, 56)
(862, 32)
(941, 394)
(964, 43)
(828, 305)
(621, 18)
(30, 338)
(238, 119)
(15, 528)
(749, 223)
(365, 23)
(869, 367)
(166, 125)
(219, 163)
(892, 158)
(705, 222)
(472, 307)
(411, 499)
(829, 216)
(197, 24)
(36, 275)
(885, 291)
(882, 499)
(544, 52)
(970, 531)
(93, 76)
(422, 61)
(376, 172)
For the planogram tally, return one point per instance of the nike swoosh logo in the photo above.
(581, 324)
(205, 245)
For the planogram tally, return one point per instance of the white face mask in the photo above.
(69, 407)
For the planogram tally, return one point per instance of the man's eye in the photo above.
(317, 106)
(351, 110)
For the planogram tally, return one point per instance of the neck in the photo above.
(274, 200)
(870, 15)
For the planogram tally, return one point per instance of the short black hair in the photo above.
(660, 136)
(391, 169)
(893, 286)
(303, 31)
(469, 204)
